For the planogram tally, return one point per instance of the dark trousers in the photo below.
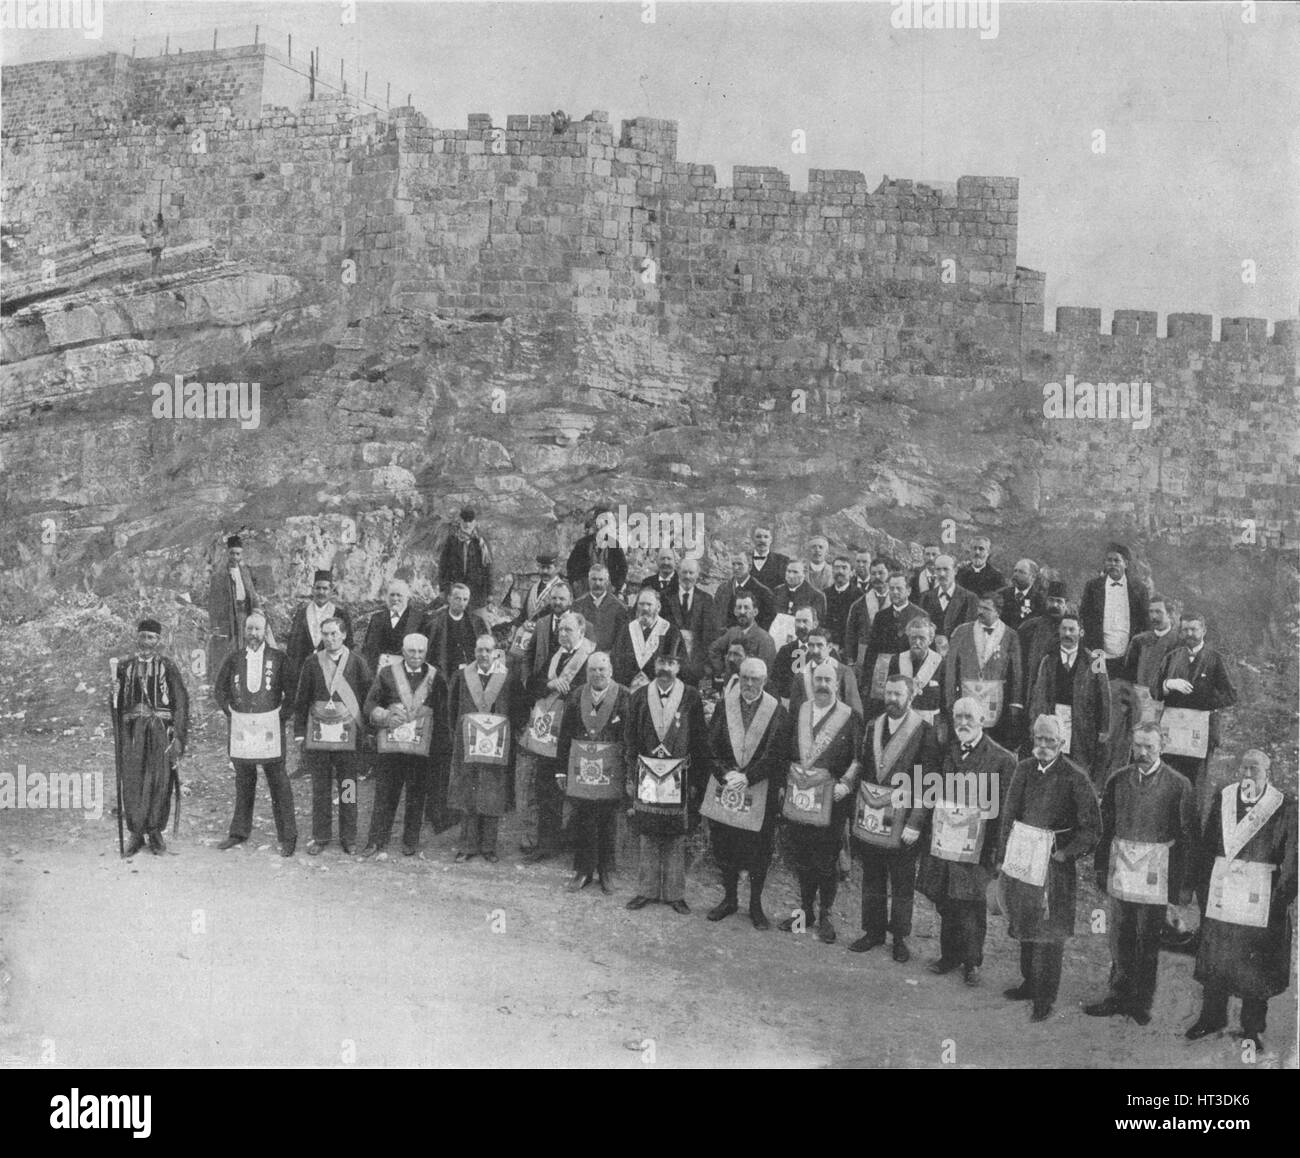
(550, 804)
(1137, 952)
(392, 774)
(962, 927)
(886, 874)
(328, 769)
(478, 834)
(1040, 966)
(1214, 1009)
(435, 804)
(277, 782)
(814, 885)
(594, 825)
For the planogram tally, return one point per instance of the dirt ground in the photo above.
(243, 958)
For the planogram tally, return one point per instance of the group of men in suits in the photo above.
(889, 711)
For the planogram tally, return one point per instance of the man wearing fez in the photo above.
(153, 716)
(537, 599)
(748, 740)
(638, 645)
(1194, 676)
(752, 638)
(1023, 597)
(959, 858)
(606, 614)
(1148, 836)
(984, 661)
(407, 703)
(328, 726)
(1073, 686)
(593, 773)
(466, 558)
(599, 547)
(669, 761)
(824, 740)
(482, 754)
(305, 630)
(388, 626)
(249, 684)
(889, 815)
(1050, 820)
(1246, 879)
(1041, 634)
(232, 597)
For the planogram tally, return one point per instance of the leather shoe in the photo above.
(638, 902)
(315, 848)
(681, 907)
(971, 975)
(759, 918)
(826, 931)
(1018, 993)
(230, 842)
(941, 966)
(1107, 1007)
(1202, 1029)
(369, 851)
(606, 883)
(902, 954)
(722, 910)
(1141, 1016)
(1040, 1013)
(459, 858)
(409, 849)
(157, 845)
(866, 943)
(347, 848)
(286, 849)
(577, 883)
(491, 857)
(135, 844)
(538, 855)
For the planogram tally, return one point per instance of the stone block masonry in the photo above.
(602, 315)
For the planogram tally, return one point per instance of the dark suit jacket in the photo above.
(1013, 604)
(311, 688)
(980, 582)
(772, 573)
(603, 622)
(805, 595)
(702, 623)
(299, 645)
(383, 639)
(888, 634)
(837, 612)
(623, 657)
(438, 628)
(1092, 608)
(1212, 686)
(225, 618)
(585, 553)
(962, 608)
(764, 605)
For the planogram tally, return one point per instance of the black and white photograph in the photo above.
(649, 535)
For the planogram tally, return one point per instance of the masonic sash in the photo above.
(332, 724)
(413, 737)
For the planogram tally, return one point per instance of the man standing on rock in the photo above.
(251, 691)
(669, 762)
(305, 631)
(232, 597)
(328, 726)
(153, 715)
(466, 558)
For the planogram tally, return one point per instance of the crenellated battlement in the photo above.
(1085, 321)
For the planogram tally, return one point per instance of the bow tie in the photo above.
(1042, 768)
(989, 630)
(1116, 583)
(967, 749)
